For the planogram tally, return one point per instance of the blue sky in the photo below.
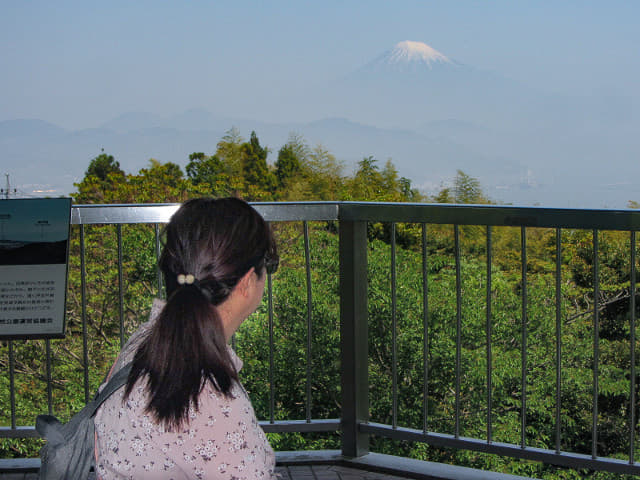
(78, 63)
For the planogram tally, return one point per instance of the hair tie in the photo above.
(187, 279)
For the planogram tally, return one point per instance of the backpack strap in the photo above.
(115, 382)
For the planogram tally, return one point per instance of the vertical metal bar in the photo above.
(47, 344)
(12, 384)
(489, 331)
(83, 293)
(120, 284)
(354, 336)
(456, 234)
(272, 389)
(596, 343)
(632, 319)
(156, 229)
(307, 259)
(558, 338)
(394, 332)
(425, 333)
(523, 345)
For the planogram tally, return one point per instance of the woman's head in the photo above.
(210, 247)
(217, 241)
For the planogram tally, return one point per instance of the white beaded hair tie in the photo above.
(186, 279)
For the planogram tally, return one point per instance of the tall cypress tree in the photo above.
(254, 166)
(287, 165)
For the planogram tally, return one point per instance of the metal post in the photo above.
(488, 333)
(596, 344)
(156, 230)
(47, 343)
(632, 326)
(394, 332)
(523, 343)
(307, 262)
(558, 340)
(12, 384)
(83, 290)
(120, 284)
(272, 386)
(456, 236)
(425, 332)
(354, 337)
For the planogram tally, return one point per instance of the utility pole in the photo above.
(7, 191)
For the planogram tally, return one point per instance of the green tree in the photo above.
(259, 179)
(367, 183)
(467, 189)
(208, 171)
(102, 166)
(287, 166)
(103, 171)
(444, 196)
(409, 193)
(323, 178)
(229, 151)
(159, 182)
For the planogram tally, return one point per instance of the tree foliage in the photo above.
(102, 166)
(467, 189)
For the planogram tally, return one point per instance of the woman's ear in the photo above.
(245, 282)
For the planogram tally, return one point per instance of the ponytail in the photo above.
(184, 348)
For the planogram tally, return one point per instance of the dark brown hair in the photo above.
(217, 241)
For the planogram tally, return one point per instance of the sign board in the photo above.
(34, 249)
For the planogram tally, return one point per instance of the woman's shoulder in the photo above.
(130, 348)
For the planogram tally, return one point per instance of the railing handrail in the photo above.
(440, 213)
(161, 212)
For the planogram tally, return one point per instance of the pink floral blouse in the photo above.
(222, 440)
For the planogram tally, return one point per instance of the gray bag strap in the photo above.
(49, 427)
(115, 382)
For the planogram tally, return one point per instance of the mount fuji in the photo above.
(410, 56)
(413, 84)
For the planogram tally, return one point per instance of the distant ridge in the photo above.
(28, 127)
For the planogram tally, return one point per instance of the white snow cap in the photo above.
(409, 51)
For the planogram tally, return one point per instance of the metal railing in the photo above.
(353, 220)
(356, 424)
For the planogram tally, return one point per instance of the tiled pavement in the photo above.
(316, 472)
(329, 472)
(322, 465)
(18, 476)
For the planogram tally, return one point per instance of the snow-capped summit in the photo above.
(408, 51)
(410, 56)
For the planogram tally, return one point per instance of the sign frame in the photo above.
(34, 264)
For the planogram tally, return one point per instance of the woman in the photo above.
(183, 413)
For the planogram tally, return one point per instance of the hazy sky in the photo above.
(80, 63)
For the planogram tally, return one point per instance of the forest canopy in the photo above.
(241, 167)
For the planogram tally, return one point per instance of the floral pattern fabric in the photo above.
(222, 439)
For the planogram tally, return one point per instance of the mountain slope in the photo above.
(409, 56)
